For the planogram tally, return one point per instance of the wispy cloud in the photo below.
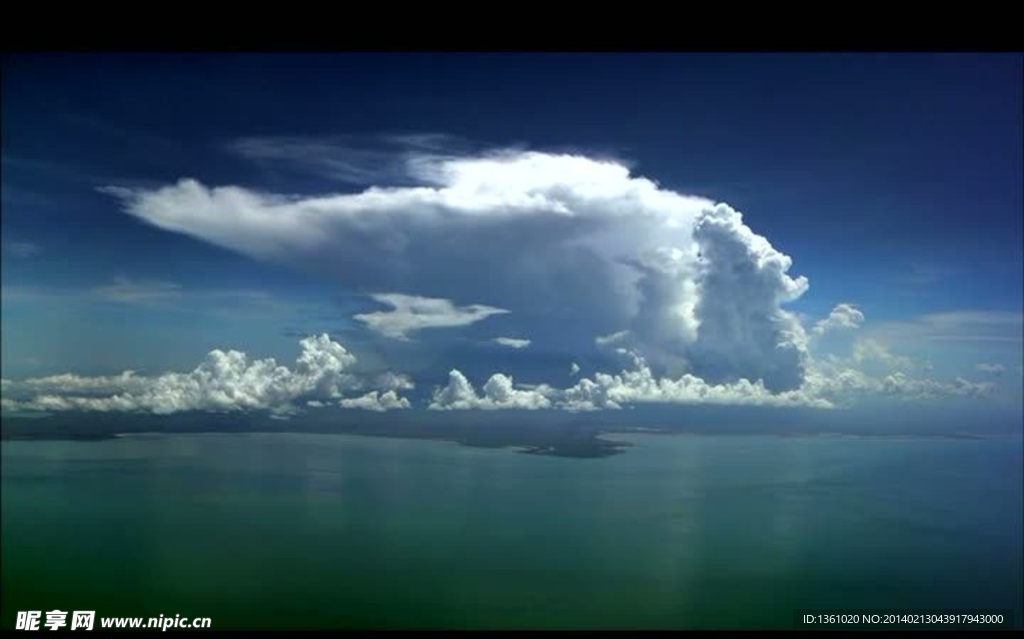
(142, 139)
(512, 342)
(23, 250)
(996, 370)
(955, 326)
(76, 174)
(354, 159)
(154, 294)
(124, 290)
(925, 274)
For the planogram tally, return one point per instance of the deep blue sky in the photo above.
(894, 181)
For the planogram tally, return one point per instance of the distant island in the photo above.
(551, 433)
(576, 438)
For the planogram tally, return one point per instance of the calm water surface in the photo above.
(295, 530)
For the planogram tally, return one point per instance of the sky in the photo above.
(577, 232)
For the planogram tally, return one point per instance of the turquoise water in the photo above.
(295, 530)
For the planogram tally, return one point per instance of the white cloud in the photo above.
(387, 400)
(743, 330)
(607, 391)
(126, 382)
(571, 244)
(412, 313)
(871, 350)
(843, 316)
(498, 392)
(846, 385)
(992, 369)
(393, 381)
(640, 385)
(611, 338)
(561, 240)
(829, 384)
(512, 342)
(225, 381)
(574, 369)
(229, 381)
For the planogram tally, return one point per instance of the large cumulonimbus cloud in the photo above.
(225, 381)
(572, 246)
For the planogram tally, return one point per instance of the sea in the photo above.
(290, 530)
